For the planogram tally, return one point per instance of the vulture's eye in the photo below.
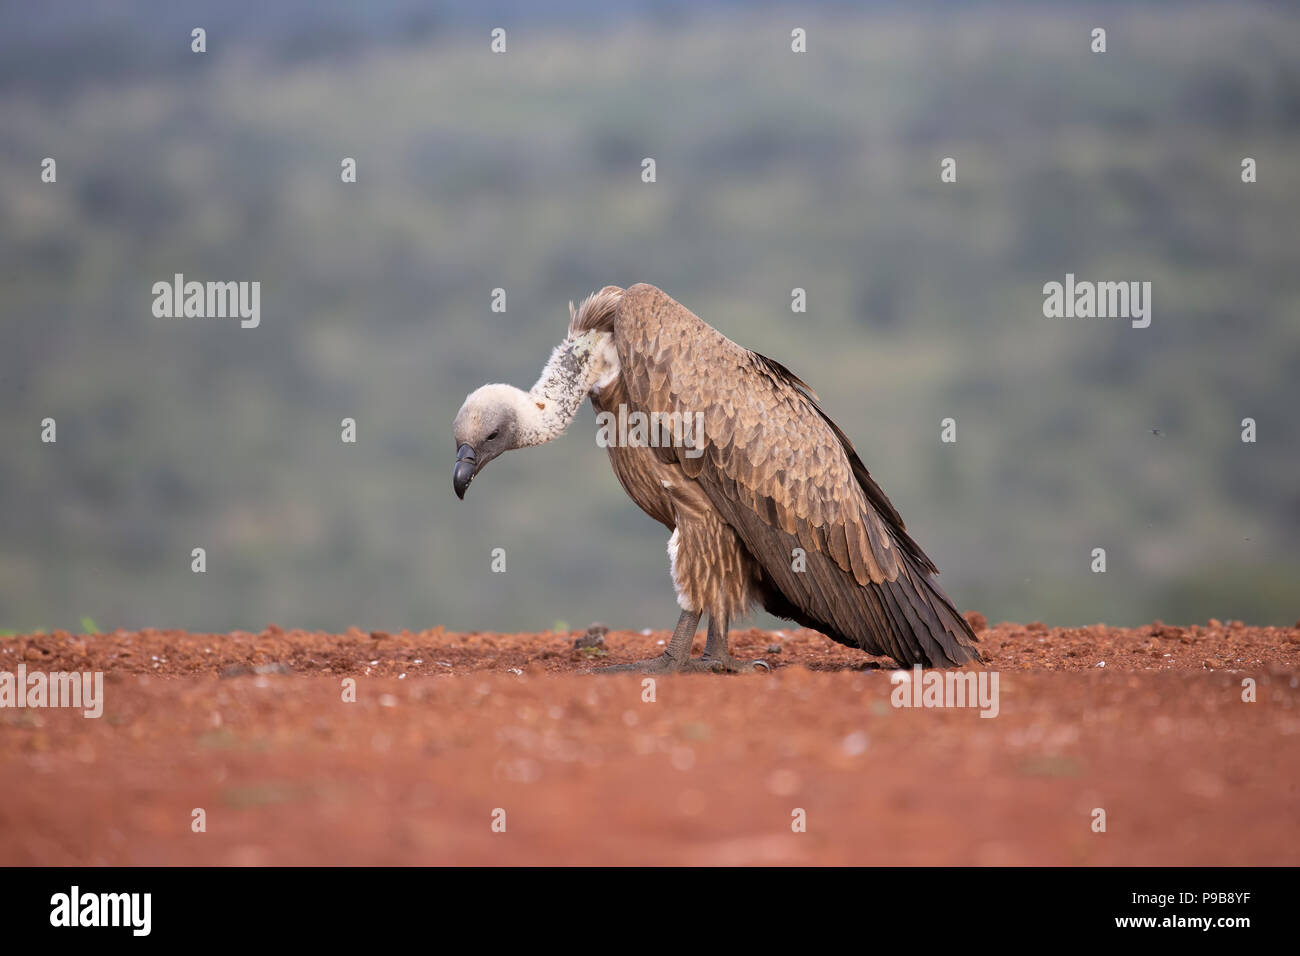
(493, 435)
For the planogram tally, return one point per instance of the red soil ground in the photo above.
(447, 728)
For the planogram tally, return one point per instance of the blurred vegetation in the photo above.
(523, 171)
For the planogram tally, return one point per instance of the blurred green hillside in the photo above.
(775, 171)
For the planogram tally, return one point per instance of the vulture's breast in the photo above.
(638, 469)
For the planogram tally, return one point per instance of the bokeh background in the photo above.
(522, 171)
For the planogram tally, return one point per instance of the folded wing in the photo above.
(785, 477)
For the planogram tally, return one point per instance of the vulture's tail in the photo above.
(915, 605)
(909, 619)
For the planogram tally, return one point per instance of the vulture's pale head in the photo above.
(487, 424)
(497, 418)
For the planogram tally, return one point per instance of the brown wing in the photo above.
(784, 476)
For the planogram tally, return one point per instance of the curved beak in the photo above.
(466, 467)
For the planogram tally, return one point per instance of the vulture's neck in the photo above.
(578, 364)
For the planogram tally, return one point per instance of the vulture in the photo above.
(766, 500)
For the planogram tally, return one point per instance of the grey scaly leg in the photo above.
(717, 657)
(676, 656)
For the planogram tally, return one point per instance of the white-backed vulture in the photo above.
(770, 505)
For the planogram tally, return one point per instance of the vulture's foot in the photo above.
(674, 658)
(663, 664)
(711, 664)
(717, 657)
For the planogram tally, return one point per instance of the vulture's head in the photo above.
(486, 425)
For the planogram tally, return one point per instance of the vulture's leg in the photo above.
(672, 659)
(717, 657)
